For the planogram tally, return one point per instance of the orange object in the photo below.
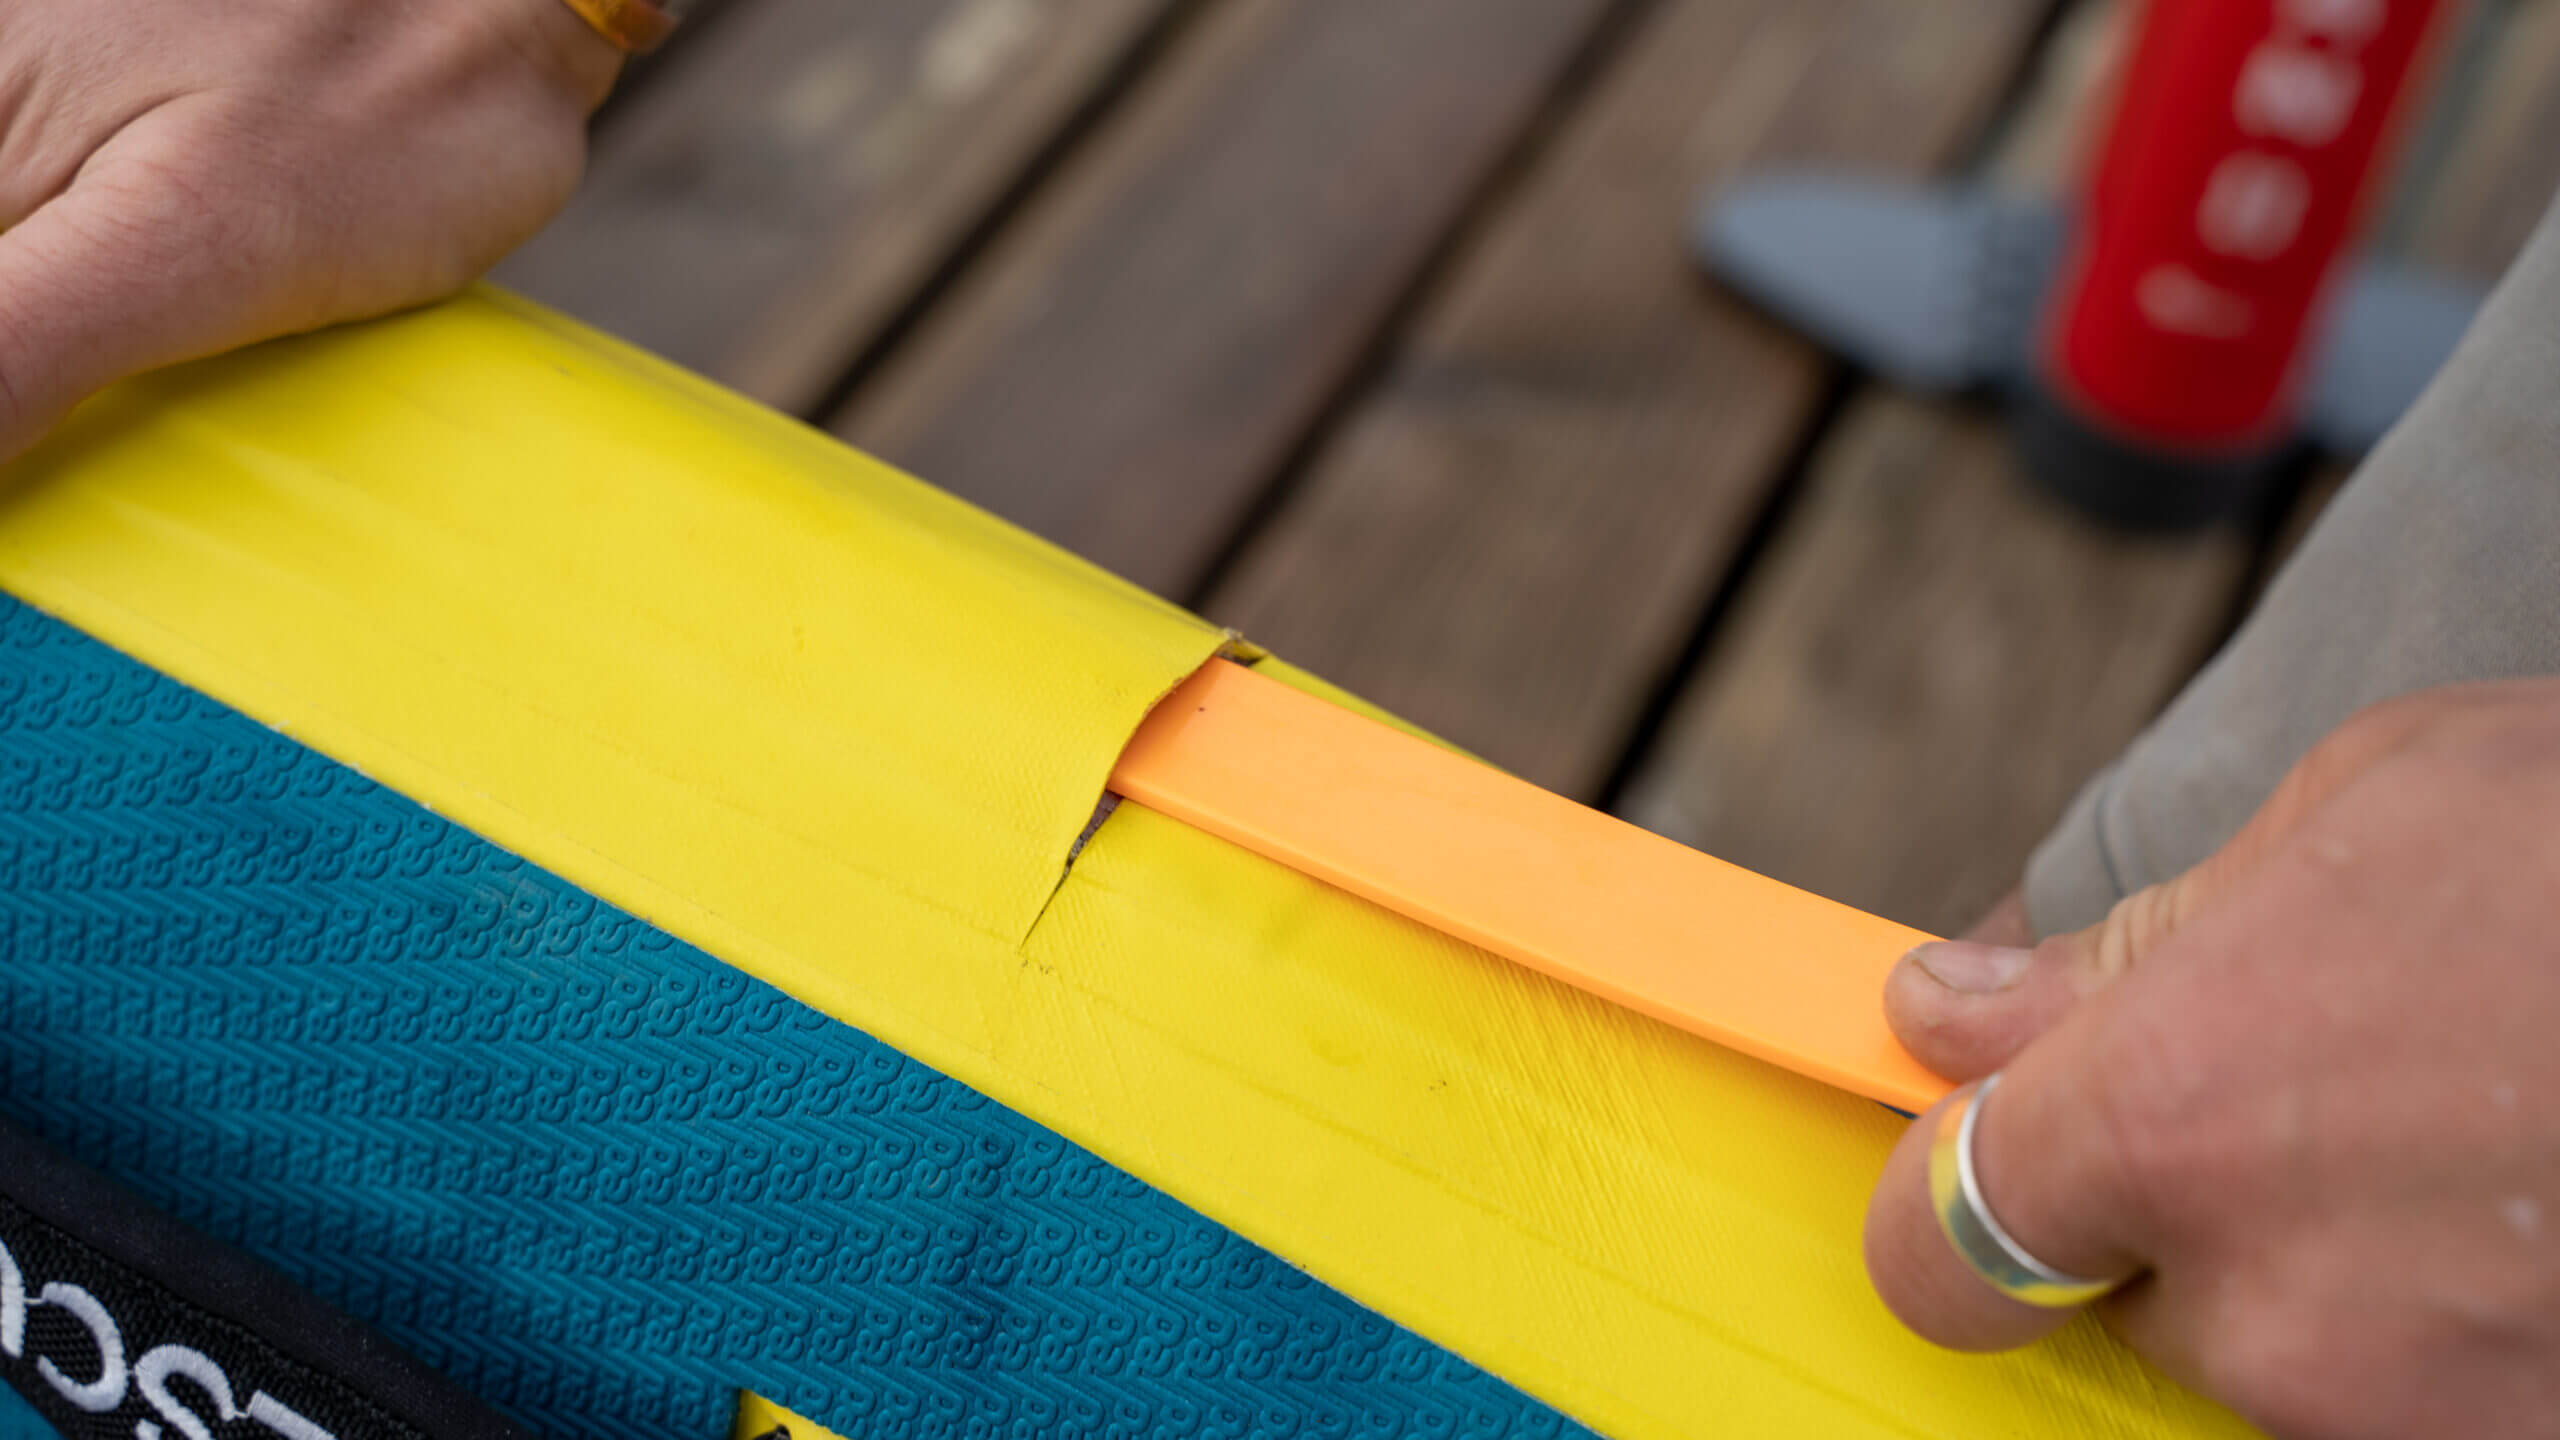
(1762, 967)
(635, 27)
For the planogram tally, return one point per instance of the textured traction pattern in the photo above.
(600, 1177)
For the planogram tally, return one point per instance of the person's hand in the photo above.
(2309, 1091)
(179, 177)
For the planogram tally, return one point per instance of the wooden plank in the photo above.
(1931, 662)
(770, 199)
(1142, 349)
(1510, 539)
(2472, 214)
(2047, 140)
(1933, 657)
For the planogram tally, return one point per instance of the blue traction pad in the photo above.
(598, 1176)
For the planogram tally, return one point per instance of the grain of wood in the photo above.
(2062, 115)
(1140, 351)
(1931, 662)
(1510, 538)
(2474, 214)
(774, 196)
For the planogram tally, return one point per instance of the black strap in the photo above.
(118, 1322)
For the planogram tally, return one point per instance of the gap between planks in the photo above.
(1509, 538)
(786, 188)
(1141, 352)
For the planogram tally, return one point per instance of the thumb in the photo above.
(126, 271)
(1964, 1008)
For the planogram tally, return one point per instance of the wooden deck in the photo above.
(1365, 326)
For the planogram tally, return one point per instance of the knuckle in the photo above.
(16, 413)
(2376, 732)
(210, 193)
(2499, 715)
(2429, 742)
(17, 416)
(31, 379)
(2513, 728)
(2134, 926)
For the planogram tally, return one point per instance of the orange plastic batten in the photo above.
(1739, 958)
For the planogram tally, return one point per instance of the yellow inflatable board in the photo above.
(844, 732)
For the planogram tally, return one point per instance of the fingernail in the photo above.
(1971, 969)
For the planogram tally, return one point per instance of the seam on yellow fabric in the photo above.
(1654, 1234)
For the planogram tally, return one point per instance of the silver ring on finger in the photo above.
(1980, 1240)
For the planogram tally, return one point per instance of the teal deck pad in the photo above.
(598, 1176)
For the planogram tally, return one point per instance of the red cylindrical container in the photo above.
(2245, 138)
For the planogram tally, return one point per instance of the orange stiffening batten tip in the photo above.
(1653, 925)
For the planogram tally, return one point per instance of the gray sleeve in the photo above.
(2439, 563)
